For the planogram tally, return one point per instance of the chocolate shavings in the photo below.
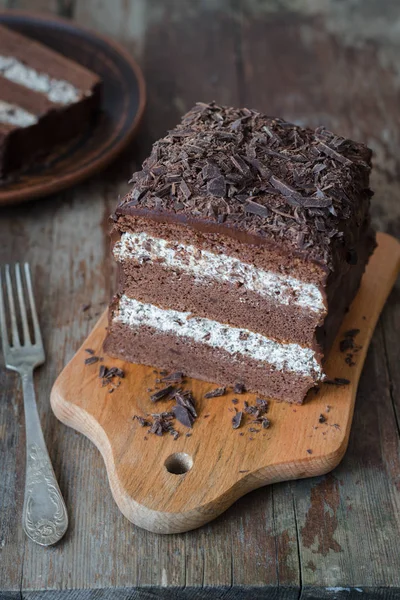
(237, 419)
(162, 394)
(183, 415)
(215, 393)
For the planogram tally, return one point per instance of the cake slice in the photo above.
(240, 247)
(45, 100)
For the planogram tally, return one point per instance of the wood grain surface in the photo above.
(169, 485)
(333, 63)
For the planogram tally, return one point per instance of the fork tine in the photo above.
(36, 327)
(13, 317)
(24, 318)
(3, 325)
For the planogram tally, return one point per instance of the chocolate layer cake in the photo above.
(45, 100)
(241, 245)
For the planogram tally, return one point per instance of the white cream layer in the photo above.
(202, 264)
(284, 357)
(56, 90)
(15, 115)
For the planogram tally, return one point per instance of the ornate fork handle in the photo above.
(44, 517)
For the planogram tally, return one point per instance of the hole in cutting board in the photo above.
(178, 463)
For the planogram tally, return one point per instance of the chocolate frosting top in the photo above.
(263, 176)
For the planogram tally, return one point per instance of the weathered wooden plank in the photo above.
(349, 520)
(12, 440)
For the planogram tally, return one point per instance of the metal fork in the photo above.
(44, 517)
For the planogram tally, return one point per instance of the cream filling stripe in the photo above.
(284, 357)
(15, 115)
(203, 264)
(56, 90)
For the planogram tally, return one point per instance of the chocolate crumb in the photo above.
(91, 360)
(309, 450)
(241, 433)
(142, 421)
(322, 419)
(245, 471)
(235, 401)
(110, 373)
(215, 393)
(162, 394)
(188, 435)
(239, 388)
(237, 419)
(328, 408)
(265, 423)
(262, 404)
(89, 351)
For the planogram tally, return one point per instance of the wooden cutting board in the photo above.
(221, 464)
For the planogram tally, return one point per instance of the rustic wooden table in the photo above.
(314, 62)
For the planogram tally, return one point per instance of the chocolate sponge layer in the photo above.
(144, 345)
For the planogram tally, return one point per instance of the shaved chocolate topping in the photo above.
(243, 171)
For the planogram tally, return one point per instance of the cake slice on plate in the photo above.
(241, 245)
(45, 100)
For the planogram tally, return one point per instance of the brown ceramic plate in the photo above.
(124, 98)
